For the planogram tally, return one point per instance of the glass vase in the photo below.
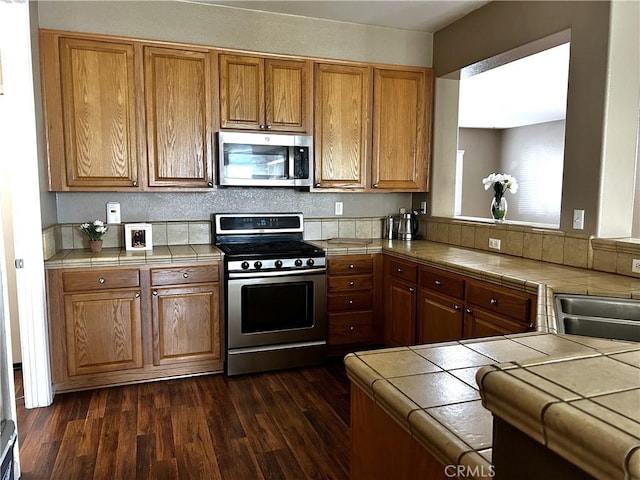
(499, 209)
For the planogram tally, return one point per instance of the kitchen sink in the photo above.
(604, 317)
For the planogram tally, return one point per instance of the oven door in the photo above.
(278, 309)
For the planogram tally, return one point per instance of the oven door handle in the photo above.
(277, 273)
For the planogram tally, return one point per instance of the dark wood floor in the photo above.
(284, 425)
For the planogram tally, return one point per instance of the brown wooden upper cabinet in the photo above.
(342, 125)
(178, 90)
(372, 127)
(124, 116)
(90, 113)
(259, 93)
(401, 129)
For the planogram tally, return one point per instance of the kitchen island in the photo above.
(431, 394)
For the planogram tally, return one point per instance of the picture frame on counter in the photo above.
(138, 236)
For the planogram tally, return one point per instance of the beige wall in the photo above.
(502, 26)
(237, 28)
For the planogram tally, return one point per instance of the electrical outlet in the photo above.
(578, 219)
(338, 208)
(635, 265)
(494, 243)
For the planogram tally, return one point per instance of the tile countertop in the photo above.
(120, 256)
(431, 391)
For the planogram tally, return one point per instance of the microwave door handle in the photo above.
(292, 162)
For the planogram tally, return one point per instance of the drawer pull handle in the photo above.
(101, 280)
(137, 295)
(351, 266)
(399, 270)
(351, 283)
(438, 283)
(411, 289)
(351, 328)
(185, 275)
(457, 307)
(493, 301)
(155, 293)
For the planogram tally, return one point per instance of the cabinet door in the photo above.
(178, 103)
(439, 318)
(186, 324)
(478, 323)
(342, 125)
(98, 113)
(287, 95)
(400, 131)
(400, 314)
(103, 331)
(241, 92)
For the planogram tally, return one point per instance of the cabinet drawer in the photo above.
(350, 284)
(406, 270)
(99, 280)
(349, 301)
(350, 265)
(183, 275)
(345, 328)
(442, 282)
(499, 301)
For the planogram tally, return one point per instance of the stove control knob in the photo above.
(258, 265)
(298, 263)
(244, 265)
(310, 262)
(278, 263)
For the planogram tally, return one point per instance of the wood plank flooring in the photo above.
(292, 424)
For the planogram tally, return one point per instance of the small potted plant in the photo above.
(94, 232)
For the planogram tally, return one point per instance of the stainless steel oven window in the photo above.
(277, 306)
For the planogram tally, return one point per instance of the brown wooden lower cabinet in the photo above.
(425, 304)
(110, 326)
(440, 319)
(380, 448)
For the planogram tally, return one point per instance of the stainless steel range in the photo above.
(275, 292)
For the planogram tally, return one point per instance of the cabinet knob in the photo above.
(101, 280)
(438, 283)
(210, 184)
(261, 127)
(155, 293)
(457, 307)
(469, 311)
(268, 127)
(351, 328)
(316, 184)
(351, 266)
(411, 289)
(493, 301)
(137, 295)
(185, 275)
(351, 283)
(134, 183)
(399, 270)
(375, 185)
(350, 302)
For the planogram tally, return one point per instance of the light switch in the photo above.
(578, 219)
(113, 213)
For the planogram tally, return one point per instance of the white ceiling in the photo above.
(419, 15)
(524, 92)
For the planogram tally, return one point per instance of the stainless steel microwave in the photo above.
(265, 160)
